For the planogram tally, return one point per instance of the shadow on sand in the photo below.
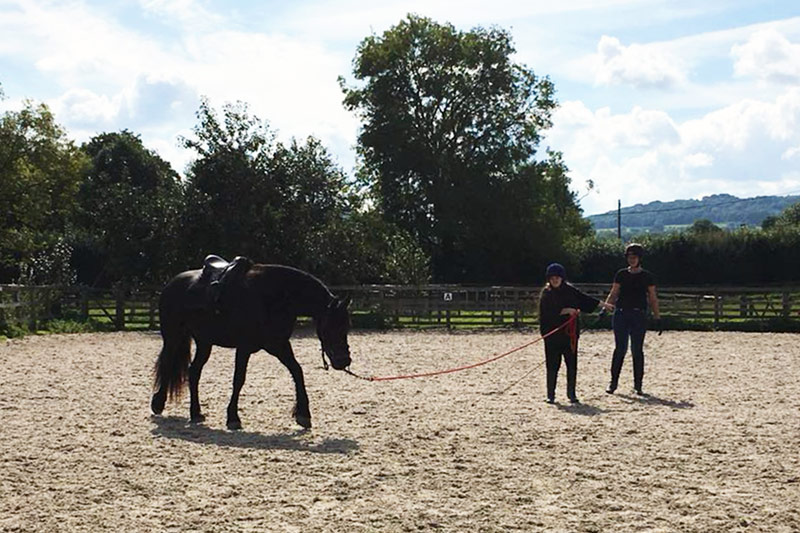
(655, 400)
(172, 427)
(584, 409)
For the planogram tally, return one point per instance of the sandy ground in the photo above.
(714, 447)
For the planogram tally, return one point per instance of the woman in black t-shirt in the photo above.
(633, 289)
(557, 303)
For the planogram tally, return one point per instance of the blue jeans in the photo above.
(628, 323)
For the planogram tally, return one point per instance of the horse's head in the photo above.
(332, 327)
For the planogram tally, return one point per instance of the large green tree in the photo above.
(450, 130)
(40, 170)
(130, 203)
(251, 195)
(248, 194)
(231, 202)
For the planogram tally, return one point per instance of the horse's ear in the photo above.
(347, 301)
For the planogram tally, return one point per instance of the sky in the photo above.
(658, 100)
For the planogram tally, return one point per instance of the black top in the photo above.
(633, 288)
(552, 301)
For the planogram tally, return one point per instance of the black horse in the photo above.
(257, 311)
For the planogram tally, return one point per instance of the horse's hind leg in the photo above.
(301, 411)
(201, 355)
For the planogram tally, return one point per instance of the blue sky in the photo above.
(658, 100)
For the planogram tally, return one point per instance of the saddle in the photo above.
(218, 275)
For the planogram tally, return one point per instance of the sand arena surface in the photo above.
(714, 448)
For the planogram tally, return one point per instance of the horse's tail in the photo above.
(171, 367)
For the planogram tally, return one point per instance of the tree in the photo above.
(704, 226)
(40, 170)
(250, 195)
(789, 217)
(130, 203)
(450, 127)
(314, 197)
(231, 201)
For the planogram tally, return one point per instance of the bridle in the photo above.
(326, 350)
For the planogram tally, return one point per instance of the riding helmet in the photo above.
(556, 269)
(634, 249)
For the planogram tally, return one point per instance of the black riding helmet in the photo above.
(555, 269)
(634, 249)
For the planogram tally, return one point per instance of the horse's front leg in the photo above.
(195, 369)
(242, 358)
(283, 351)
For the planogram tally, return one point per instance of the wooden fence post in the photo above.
(119, 312)
(786, 300)
(717, 309)
(84, 303)
(153, 307)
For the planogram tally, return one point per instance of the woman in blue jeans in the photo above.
(633, 289)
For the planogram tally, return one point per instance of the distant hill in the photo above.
(724, 210)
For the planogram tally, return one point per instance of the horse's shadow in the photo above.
(172, 427)
(649, 399)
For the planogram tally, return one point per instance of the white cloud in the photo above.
(640, 128)
(768, 55)
(78, 47)
(791, 153)
(697, 160)
(642, 155)
(82, 107)
(187, 13)
(637, 65)
(104, 76)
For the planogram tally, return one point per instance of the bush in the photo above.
(12, 331)
(60, 325)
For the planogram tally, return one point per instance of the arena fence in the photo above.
(443, 306)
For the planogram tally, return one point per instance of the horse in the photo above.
(258, 311)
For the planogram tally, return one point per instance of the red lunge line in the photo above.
(570, 328)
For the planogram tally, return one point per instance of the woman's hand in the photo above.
(568, 310)
(607, 306)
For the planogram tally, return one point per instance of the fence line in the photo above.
(448, 306)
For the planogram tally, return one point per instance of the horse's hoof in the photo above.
(234, 425)
(304, 421)
(157, 404)
(197, 419)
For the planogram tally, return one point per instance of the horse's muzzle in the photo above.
(340, 363)
(340, 359)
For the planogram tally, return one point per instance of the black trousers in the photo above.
(554, 351)
(628, 324)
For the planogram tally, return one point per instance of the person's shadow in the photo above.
(172, 427)
(584, 409)
(655, 400)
